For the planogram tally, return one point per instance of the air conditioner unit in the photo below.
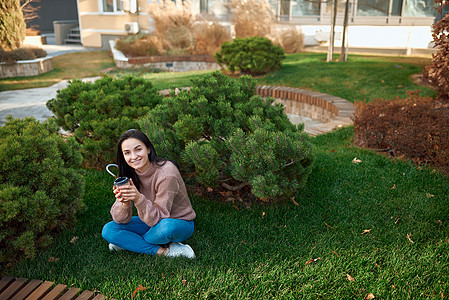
(129, 6)
(132, 27)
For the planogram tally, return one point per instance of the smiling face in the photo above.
(136, 153)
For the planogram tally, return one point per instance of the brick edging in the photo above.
(333, 104)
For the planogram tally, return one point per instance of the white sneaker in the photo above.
(178, 249)
(113, 247)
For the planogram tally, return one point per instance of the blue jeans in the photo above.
(138, 237)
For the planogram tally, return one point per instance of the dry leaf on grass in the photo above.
(429, 195)
(226, 194)
(369, 296)
(356, 160)
(349, 277)
(327, 225)
(409, 238)
(312, 260)
(366, 231)
(139, 288)
(335, 253)
(74, 239)
(294, 202)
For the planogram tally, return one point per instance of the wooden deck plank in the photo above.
(5, 282)
(54, 293)
(40, 291)
(70, 294)
(86, 295)
(28, 289)
(13, 288)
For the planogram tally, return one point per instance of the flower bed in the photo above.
(26, 67)
(173, 63)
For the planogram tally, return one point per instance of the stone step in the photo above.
(72, 41)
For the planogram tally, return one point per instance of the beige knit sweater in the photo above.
(164, 195)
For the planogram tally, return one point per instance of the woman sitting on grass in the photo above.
(157, 190)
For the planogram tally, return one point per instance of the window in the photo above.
(396, 7)
(112, 5)
(419, 8)
(305, 7)
(372, 7)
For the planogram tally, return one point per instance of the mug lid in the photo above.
(121, 180)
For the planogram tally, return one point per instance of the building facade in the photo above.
(372, 23)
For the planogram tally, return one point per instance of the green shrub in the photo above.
(228, 137)
(253, 55)
(98, 113)
(41, 185)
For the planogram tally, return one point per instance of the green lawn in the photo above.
(362, 78)
(380, 226)
(67, 66)
(262, 251)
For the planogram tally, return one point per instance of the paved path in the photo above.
(30, 102)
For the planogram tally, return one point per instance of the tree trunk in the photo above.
(330, 49)
(344, 48)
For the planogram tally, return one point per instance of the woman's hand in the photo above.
(126, 193)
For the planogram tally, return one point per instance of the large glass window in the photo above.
(372, 7)
(284, 8)
(419, 8)
(112, 6)
(305, 7)
(396, 7)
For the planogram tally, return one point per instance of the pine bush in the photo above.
(253, 55)
(12, 25)
(41, 185)
(228, 137)
(98, 113)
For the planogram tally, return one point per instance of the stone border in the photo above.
(171, 63)
(23, 68)
(334, 112)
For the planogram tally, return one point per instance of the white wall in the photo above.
(374, 36)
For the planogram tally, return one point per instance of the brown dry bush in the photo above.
(209, 37)
(174, 24)
(251, 17)
(180, 40)
(414, 127)
(290, 39)
(438, 72)
(141, 45)
(24, 53)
